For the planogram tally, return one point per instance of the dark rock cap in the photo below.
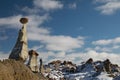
(32, 52)
(24, 20)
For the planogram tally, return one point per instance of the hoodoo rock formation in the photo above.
(32, 63)
(14, 67)
(20, 50)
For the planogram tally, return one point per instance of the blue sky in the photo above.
(63, 29)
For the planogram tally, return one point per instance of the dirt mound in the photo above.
(16, 70)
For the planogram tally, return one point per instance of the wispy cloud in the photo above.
(36, 18)
(107, 45)
(102, 42)
(107, 41)
(43, 6)
(104, 1)
(101, 56)
(11, 21)
(80, 56)
(48, 4)
(107, 48)
(54, 42)
(108, 7)
(72, 6)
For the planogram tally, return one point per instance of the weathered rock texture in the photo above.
(32, 63)
(20, 50)
(16, 70)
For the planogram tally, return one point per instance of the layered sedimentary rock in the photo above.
(32, 63)
(20, 50)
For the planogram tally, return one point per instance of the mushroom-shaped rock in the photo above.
(24, 20)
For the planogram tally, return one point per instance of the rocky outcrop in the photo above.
(20, 50)
(107, 65)
(57, 62)
(16, 70)
(32, 63)
(89, 61)
(87, 70)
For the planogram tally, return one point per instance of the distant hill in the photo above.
(16, 70)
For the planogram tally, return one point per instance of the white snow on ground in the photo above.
(55, 75)
(104, 76)
(79, 76)
(83, 72)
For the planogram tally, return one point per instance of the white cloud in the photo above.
(108, 6)
(101, 56)
(52, 42)
(33, 23)
(107, 45)
(107, 48)
(39, 6)
(116, 47)
(62, 43)
(33, 27)
(107, 41)
(55, 56)
(114, 58)
(48, 4)
(57, 43)
(102, 42)
(116, 40)
(104, 49)
(37, 20)
(11, 22)
(33, 10)
(104, 1)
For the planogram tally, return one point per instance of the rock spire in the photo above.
(20, 50)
